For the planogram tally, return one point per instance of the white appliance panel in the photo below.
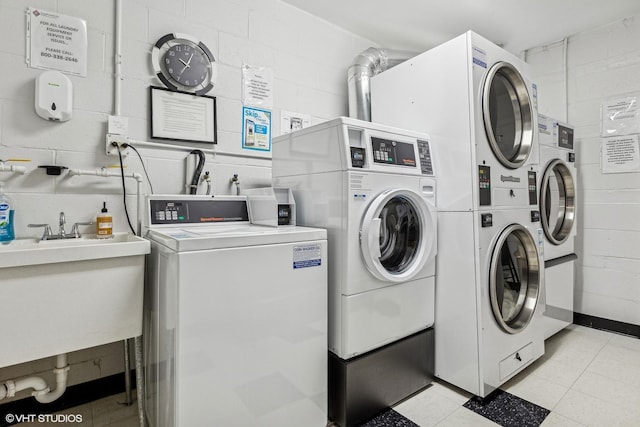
(559, 284)
(440, 92)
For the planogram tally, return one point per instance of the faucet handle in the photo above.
(76, 231)
(47, 230)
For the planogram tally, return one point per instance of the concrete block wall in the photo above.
(602, 64)
(309, 58)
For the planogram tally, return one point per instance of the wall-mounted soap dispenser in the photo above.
(54, 96)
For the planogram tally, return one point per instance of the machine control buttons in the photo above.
(486, 219)
(424, 153)
(484, 183)
(357, 157)
(533, 187)
(571, 157)
(535, 216)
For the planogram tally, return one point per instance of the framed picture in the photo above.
(182, 116)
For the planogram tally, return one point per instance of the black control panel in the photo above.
(533, 188)
(484, 182)
(565, 137)
(357, 157)
(571, 157)
(391, 152)
(535, 216)
(486, 220)
(284, 214)
(424, 152)
(197, 211)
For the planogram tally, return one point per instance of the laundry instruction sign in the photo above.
(256, 129)
(305, 256)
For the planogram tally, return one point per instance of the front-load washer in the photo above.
(558, 196)
(478, 104)
(235, 317)
(373, 188)
(489, 305)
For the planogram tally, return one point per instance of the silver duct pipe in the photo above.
(366, 65)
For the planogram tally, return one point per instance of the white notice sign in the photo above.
(56, 42)
(621, 117)
(257, 86)
(620, 154)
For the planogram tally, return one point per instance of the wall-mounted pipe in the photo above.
(41, 391)
(12, 168)
(110, 174)
(367, 64)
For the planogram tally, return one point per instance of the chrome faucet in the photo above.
(63, 221)
(62, 234)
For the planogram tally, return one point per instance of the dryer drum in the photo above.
(514, 282)
(399, 235)
(557, 202)
(508, 115)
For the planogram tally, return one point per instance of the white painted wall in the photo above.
(309, 58)
(603, 63)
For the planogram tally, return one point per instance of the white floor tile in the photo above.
(556, 420)
(451, 392)
(558, 372)
(427, 408)
(536, 390)
(594, 412)
(618, 363)
(608, 389)
(464, 417)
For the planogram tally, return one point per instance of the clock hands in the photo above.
(186, 64)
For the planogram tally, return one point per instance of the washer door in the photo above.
(557, 202)
(508, 115)
(397, 235)
(514, 282)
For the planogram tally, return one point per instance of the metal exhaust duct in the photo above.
(367, 64)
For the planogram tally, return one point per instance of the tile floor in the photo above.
(587, 377)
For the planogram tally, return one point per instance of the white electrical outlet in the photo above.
(112, 149)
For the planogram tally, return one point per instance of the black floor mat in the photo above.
(508, 410)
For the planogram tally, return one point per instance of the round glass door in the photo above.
(508, 115)
(397, 235)
(557, 202)
(514, 282)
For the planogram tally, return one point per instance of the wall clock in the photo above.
(184, 63)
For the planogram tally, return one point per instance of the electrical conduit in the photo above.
(42, 392)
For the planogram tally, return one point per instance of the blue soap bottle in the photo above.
(6, 217)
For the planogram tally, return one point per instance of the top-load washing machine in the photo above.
(477, 102)
(558, 180)
(373, 188)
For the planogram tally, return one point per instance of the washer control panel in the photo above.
(484, 182)
(533, 188)
(190, 211)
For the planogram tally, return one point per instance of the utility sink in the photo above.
(60, 296)
(24, 252)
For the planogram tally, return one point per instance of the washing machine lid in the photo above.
(515, 278)
(398, 235)
(557, 201)
(192, 223)
(508, 115)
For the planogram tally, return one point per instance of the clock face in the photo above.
(182, 63)
(186, 65)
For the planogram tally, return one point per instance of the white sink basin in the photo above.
(60, 296)
(23, 252)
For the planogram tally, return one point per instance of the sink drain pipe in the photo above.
(42, 392)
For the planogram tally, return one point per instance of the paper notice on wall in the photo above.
(621, 116)
(56, 42)
(620, 154)
(292, 121)
(257, 86)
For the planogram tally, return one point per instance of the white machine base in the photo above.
(559, 283)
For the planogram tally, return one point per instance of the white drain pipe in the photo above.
(42, 392)
(367, 64)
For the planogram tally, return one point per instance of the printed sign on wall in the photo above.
(256, 129)
(56, 42)
(620, 154)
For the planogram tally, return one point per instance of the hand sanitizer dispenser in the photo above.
(54, 96)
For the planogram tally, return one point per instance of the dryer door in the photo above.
(557, 201)
(514, 282)
(508, 115)
(397, 235)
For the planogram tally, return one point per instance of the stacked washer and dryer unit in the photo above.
(478, 104)
(373, 188)
(558, 212)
